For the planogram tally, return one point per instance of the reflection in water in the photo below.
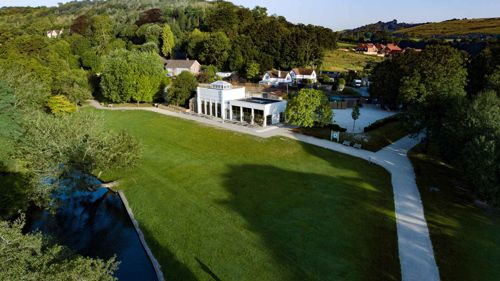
(96, 224)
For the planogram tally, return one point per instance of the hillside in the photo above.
(389, 26)
(343, 61)
(454, 28)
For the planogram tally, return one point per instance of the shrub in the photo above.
(60, 105)
(382, 122)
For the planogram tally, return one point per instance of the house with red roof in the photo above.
(367, 49)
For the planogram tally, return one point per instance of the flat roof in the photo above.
(260, 100)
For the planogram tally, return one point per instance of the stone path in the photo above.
(416, 254)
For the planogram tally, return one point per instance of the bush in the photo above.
(335, 127)
(382, 122)
(348, 91)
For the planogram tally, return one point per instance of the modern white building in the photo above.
(224, 101)
(214, 100)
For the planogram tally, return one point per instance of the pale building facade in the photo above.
(222, 100)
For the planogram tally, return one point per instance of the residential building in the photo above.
(220, 99)
(367, 49)
(276, 77)
(299, 74)
(176, 67)
(391, 49)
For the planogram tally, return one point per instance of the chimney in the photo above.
(279, 73)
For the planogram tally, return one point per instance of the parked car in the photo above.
(356, 83)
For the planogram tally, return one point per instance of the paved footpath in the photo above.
(415, 248)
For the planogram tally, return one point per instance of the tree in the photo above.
(252, 70)
(387, 78)
(355, 116)
(341, 84)
(208, 74)
(53, 146)
(130, 76)
(482, 66)
(117, 83)
(10, 129)
(168, 42)
(31, 257)
(182, 88)
(101, 29)
(60, 105)
(149, 47)
(481, 153)
(73, 84)
(150, 33)
(30, 90)
(308, 108)
(436, 80)
(215, 49)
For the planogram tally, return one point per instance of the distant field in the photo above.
(454, 27)
(338, 60)
(346, 45)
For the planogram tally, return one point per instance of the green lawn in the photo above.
(466, 239)
(216, 205)
(343, 61)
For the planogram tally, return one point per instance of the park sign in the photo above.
(335, 135)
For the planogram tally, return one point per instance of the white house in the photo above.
(275, 77)
(176, 67)
(224, 101)
(299, 74)
(54, 33)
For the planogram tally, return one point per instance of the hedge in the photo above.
(379, 123)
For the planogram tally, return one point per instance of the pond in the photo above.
(96, 224)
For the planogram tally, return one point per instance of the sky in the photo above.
(345, 14)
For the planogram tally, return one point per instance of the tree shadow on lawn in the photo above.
(317, 227)
(172, 268)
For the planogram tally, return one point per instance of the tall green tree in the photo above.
(168, 41)
(355, 116)
(308, 108)
(52, 146)
(182, 88)
(117, 82)
(481, 151)
(437, 79)
(215, 49)
(252, 71)
(136, 76)
(31, 257)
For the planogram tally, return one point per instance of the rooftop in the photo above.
(221, 85)
(260, 100)
(178, 63)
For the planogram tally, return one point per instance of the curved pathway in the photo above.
(416, 254)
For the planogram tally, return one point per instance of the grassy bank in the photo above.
(343, 61)
(466, 239)
(216, 205)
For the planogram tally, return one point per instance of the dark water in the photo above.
(96, 224)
